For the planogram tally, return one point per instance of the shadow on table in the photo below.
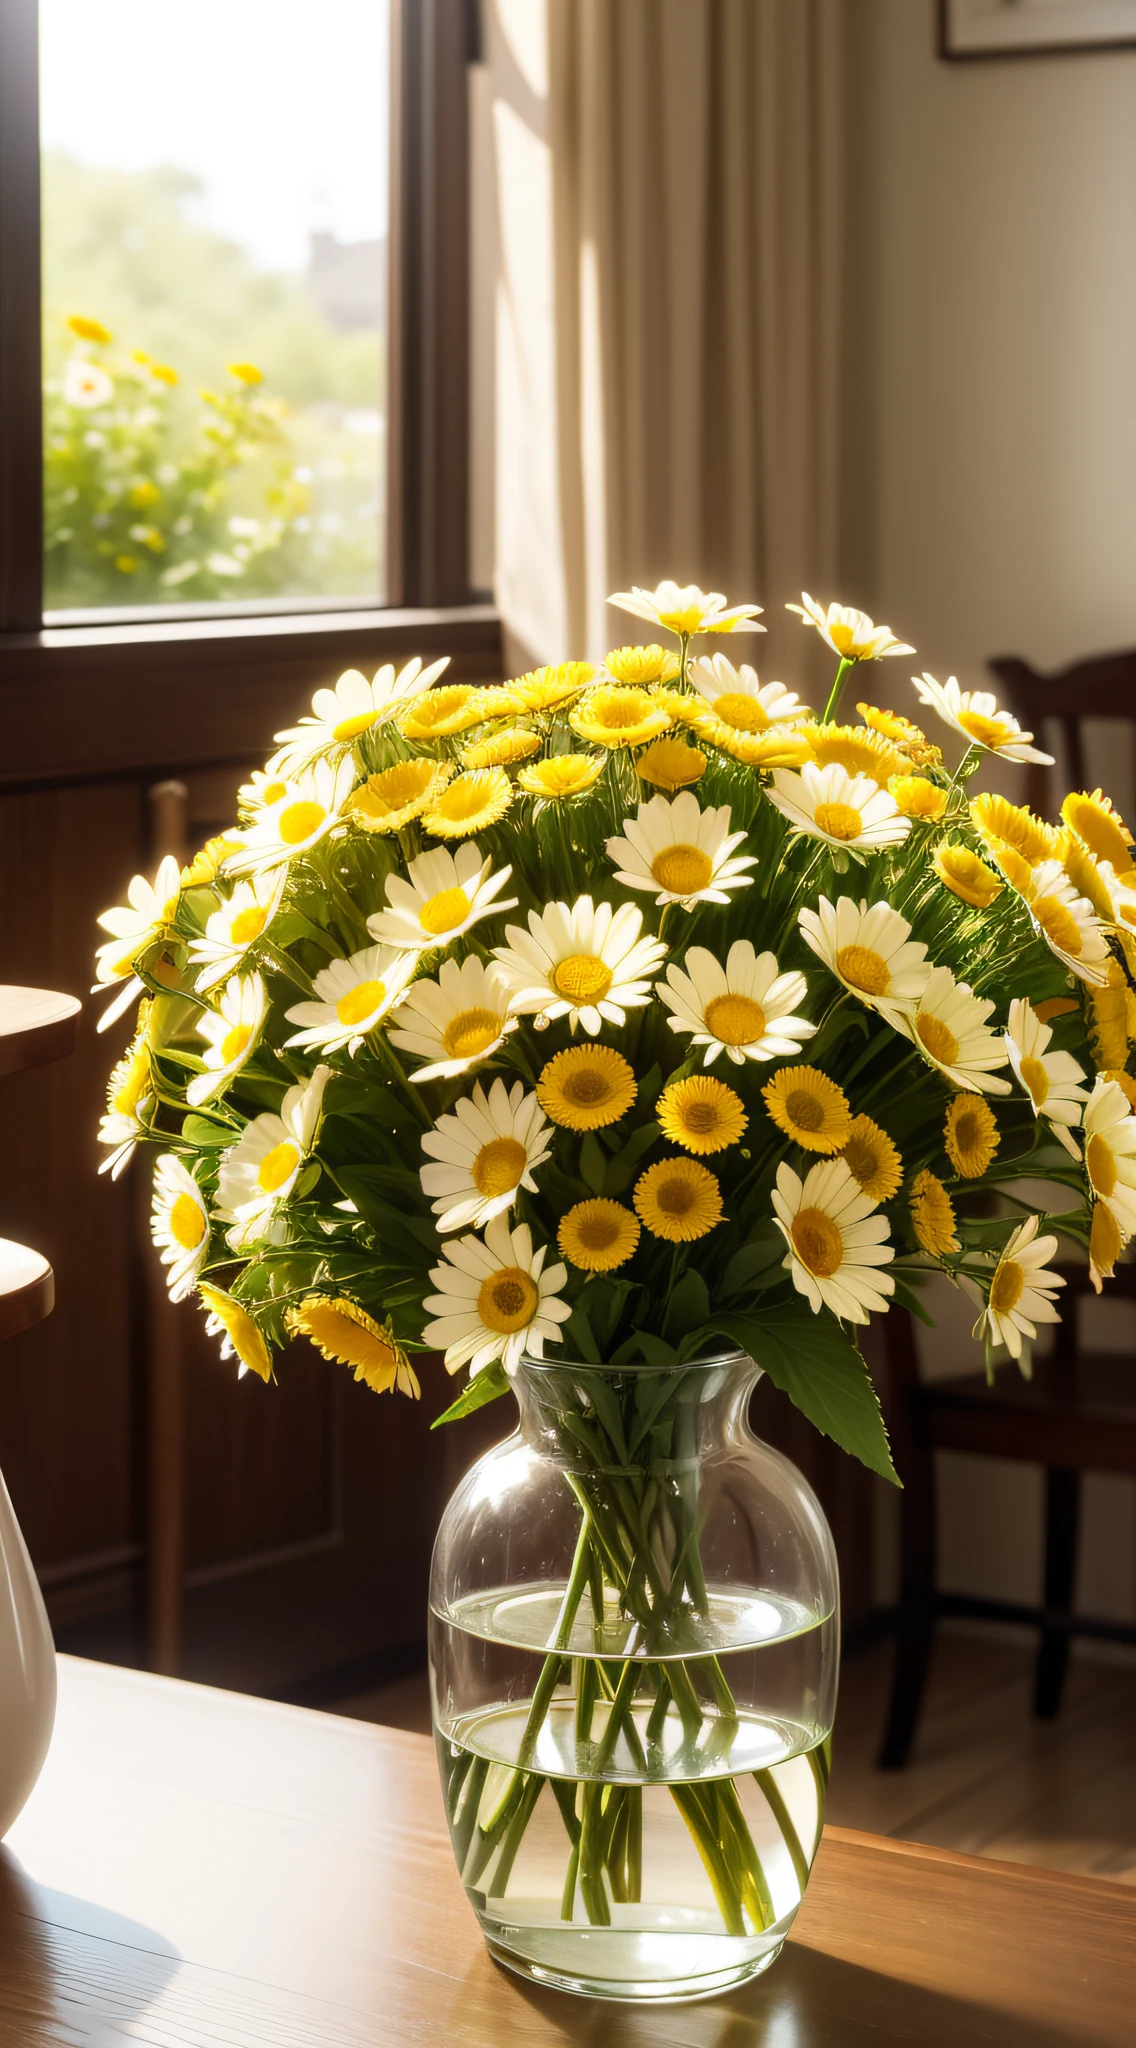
(65, 1960)
(809, 2000)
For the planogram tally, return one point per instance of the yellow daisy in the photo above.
(773, 749)
(899, 730)
(446, 709)
(642, 665)
(858, 751)
(502, 749)
(872, 1160)
(240, 1335)
(616, 715)
(1089, 880)
(670, 764)
(809, 1108)
(916, 797)
(1099, 827)
(970, 1135)
(586, 1087)
(563, 776)
(492, 700)
(932, 1215)
(88, 330)
(701, 1114)
(1124, 1081)
(1107, 1019)
(598, 1235)
(966, 876)
(388, 801)
(678, 1199)
(1105, 1244)
(996, 818)
(470, 803)
(344, 1333)
(545, 689)
(203, 867)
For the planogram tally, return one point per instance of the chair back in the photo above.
(1103, 686)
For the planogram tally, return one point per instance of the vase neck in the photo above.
(584, 1415)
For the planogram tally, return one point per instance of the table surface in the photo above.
(201, 1870)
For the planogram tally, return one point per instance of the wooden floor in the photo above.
(985, 1776)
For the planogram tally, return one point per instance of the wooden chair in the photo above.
(1078, 1412)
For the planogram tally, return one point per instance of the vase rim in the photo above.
(705, 1362)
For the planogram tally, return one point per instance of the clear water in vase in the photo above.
(624, 1822)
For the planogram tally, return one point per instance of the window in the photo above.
(214, 195)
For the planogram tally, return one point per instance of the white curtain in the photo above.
(670, 197)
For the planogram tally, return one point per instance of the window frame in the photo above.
(428, 596)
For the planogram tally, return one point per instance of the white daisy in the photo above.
(262, 1168)
(339, 717)
(744, 1009)
(130, 1102)
(1052, 1080)
(1021, 1292)
(495, 1299)
(849, 812)
(1110, 1152)
(851, 634)
(350, 997)
(444, 894)
(975, 714)
(85, 384)
(231, 1031)
(134, 924)
(948, 1026)
(457, 1021)
(307, 811)
(266, 786)
(684, 609)
(1068, 923)
(179, 1224)
(680, 850)
(835, 1240)
(485, 1151)
(736, 697)
(587, 963)
(870, 950)
(237, 924)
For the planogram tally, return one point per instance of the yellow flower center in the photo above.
(131, 1088)
(1058, 924)
(745, 714)
(938, 1039)
(701, 1117)
(862, 1158)
(1036, 1080)
(804, 1110)
(734, 1020)
(1008, 1286)
(470, 1032)
(586, 1088)
(989, 732)
(817, 1242)
(298, 821)
(271, 792)
(683, 870)
(598, 1230)
(499, 1166)
(583, 978)
(361, 1002)
(235, 1042)
(839, 821)
(620, 711)
(864, 969)
(187, 1224)
(350, 728)
(968, 1134)
(676, 1194)
(444, 912)
(1104, 1240)
(248, 925)
(1101, 1164)
(277, 1166)
(506, 1300)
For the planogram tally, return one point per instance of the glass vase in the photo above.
(634, 1642)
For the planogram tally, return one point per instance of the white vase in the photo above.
(27, 1669)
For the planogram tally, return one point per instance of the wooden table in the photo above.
(200, 1868)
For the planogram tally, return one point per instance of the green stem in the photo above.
(830, 708)
(789, 1834)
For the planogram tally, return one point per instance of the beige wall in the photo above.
(991, 500)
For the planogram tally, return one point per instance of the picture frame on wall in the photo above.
(971, 29)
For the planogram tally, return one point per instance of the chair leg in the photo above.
(917, 1610)
(1062, 1516)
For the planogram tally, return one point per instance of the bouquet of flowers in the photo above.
(633, 1009)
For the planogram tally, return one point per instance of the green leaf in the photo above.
(810, 1359)
(578, 1331)
(656, 1351)
(756, 1256)
(207, 1136)
(689, 1305)
(593, 1165)
(487, 1385)
(906, 1297)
